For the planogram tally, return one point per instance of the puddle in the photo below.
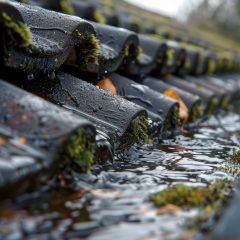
(112, 201)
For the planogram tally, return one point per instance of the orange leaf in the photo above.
(107, 84)
(183, 111)
(22, 140)
(2, 141)
(24, 117)
(7, 214)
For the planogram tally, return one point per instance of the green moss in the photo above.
(187, 64)
(172, 120)
(191, 46)
(18, 33)
(107, 4)
(211, 106)
(80, 151)
(184, 196)
(176, 117)
(126, 51)
(236, 155)
(209, 201)
(136, 133)
(211, 66)
(66, 7)
(224, 102)
(170, 55)
(135, 51)
(196, 112)
(89, 47)
(139, 130)
(98, 17)
(156, 36)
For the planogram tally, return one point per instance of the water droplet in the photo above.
(30, 76)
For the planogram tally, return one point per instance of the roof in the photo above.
(54, 55)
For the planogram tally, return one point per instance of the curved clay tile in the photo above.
(48, 135)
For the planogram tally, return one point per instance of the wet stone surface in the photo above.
(112, 202)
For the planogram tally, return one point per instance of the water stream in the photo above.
(112, 202)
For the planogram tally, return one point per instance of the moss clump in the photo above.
(196, 112)
(134, 51)
(211, 106)
(89, 48)
(236, 155)
(98, 17)
(18, 33)
(156, 36)
(170, 55)
(211, 66)
(224, 102)
(184, 196)
(187, 64)
(139, 130)
(80, 151)
(172, 120)
(136, 133)
(66, 7)
(126, 51)
(175, 119)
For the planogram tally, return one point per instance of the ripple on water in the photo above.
(115, 204)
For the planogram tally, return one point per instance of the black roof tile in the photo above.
(93, 51)
(55, 37)
(153, 101)
(47, 132)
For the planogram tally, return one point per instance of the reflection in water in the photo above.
(112, 201)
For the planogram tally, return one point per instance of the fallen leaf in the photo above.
(107, 84)
(22, 140)
(24, 117)
(2, 141)
(183, 110)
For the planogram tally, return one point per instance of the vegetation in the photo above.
(98, 17)
(80, 151)
(139, 129)
(214, 16)
(196, 112)
(18, 33)
(211, 106)
(184, 196)
(236, 155)
(90, 48)
(172, 120)
(66, 7)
